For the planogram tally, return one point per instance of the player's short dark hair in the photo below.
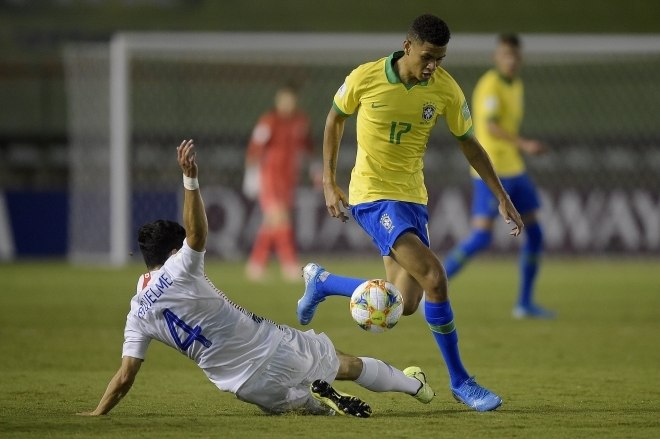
(289, 86)
(428, 28)
(510, 39)
(157, 240)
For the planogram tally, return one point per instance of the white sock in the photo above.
(379, 376)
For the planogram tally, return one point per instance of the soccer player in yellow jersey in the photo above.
(497, 104)
(398, 99)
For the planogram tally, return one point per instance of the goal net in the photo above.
(593, 99)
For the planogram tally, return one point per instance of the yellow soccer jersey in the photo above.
(393, 125)
(497, 98)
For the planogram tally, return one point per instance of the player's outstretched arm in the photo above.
(118, 387)
(194, 215)
(479, 160)
(335, 198)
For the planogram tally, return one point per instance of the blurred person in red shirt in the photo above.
(280, 141)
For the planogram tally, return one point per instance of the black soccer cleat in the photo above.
(341, 403)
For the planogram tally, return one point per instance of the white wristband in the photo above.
(190, 183)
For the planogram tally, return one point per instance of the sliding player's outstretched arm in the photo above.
(118, 386)
(194, 215)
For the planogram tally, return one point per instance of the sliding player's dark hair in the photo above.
(428, 28)
(510, 39)
(157, 240)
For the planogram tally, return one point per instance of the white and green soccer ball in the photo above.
(376, 305)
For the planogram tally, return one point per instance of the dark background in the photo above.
(33, 33)
(33, 110)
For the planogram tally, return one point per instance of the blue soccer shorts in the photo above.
(520, 188)
(386, 220)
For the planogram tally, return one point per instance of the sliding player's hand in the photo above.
(509, 213)
(87, 414)
(335, 199)
(186, 157)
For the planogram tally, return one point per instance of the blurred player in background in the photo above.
(398, 99)
(273, 366)
(497, 105)
(280, 140)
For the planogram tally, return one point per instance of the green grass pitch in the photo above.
(594, 372)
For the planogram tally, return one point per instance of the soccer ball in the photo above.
(376, 305)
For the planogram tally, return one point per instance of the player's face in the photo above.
(423, 58)
(508, 60)
(285, 102)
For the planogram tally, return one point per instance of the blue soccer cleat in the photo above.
(476, 397)
(532, 312)
(311, 299)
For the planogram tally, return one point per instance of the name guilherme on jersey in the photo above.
(150, 295)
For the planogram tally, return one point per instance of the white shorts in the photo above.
(282, 384)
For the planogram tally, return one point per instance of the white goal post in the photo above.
(291, 50)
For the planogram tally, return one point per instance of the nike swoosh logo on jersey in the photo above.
(375, 105)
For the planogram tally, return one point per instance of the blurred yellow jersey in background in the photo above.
(499, 99)
(393, 126)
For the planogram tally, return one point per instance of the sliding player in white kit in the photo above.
(278, 368)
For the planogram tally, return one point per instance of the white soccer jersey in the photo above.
(179, 306)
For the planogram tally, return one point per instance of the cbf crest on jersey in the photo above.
(428, 111)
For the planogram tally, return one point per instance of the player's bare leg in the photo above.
(423, 265)
(410, 289)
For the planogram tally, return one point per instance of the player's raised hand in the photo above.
(509, 213)
(532, 147)
(334, 200)
(186, 157)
